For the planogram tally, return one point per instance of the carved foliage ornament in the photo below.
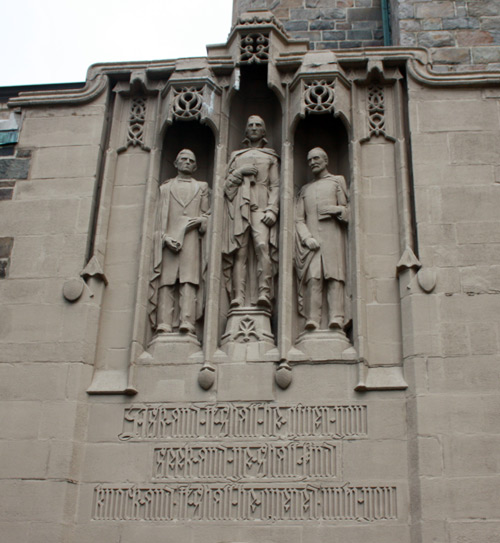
(319, 95)
(247, 331)
(254, 48)
(187, 102)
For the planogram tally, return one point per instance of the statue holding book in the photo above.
(178, 265)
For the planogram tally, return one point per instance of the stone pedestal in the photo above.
(323, 346)
(172, 348)
(248, 336)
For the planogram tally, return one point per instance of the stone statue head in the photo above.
(185, 162)
(317, 159)
(255, 130)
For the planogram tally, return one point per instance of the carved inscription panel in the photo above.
(291, 460)
(240, 421)
(238, 502)
(245, 461)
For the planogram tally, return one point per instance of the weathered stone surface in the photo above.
(14, 168)
(485, 55)
(363, 14)
(434, 9)
(474, 37)
(436, 39)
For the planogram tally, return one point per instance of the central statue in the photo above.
(251, 193)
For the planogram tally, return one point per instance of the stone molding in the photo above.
(418, 60)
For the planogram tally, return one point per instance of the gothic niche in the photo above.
(180, 239)
(251, 189)
(321, 245)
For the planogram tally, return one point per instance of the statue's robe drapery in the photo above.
(260, 192)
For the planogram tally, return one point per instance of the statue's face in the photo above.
(317, 161)
(186, 162)
(255, 130)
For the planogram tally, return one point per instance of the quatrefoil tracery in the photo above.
(187, 102)
(319, 95)
(254, 48)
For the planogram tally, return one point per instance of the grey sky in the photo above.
(55, 41)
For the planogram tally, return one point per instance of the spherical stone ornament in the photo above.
(73, 289)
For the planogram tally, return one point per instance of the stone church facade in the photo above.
(254, 296)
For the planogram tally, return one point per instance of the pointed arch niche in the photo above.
(328, 132)
(252, 95)
(200, 139)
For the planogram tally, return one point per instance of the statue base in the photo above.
(172, 348)
(323, 346)
(248, 336)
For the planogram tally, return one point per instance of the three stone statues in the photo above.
(250, 240)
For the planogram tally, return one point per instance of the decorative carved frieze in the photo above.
(234, 502)
(261, 18)
(249, 420)
(254, 48)
(319, 95)
(289, 460)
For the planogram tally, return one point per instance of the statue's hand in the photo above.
(328, 211)
(311, 244)
(269, 218)
(248, 169)
(194, 222)
(172, 244)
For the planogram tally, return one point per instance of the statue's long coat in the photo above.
(186, 266)
(329, 261)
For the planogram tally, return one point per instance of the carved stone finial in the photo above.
(206, 377)
(283, 375)
(408, 261)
